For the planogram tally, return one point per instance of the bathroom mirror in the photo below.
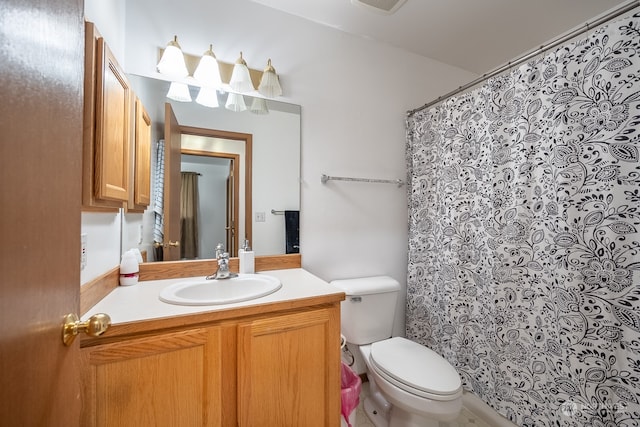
(275, 162)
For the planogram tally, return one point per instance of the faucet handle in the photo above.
(219, 250)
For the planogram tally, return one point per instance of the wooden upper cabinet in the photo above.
(107, 127)
(140, 197)
(113, 107)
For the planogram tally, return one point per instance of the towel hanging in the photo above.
(292, 231)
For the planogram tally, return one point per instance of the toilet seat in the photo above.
(415, 369)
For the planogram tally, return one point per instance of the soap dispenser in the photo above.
(246, 259)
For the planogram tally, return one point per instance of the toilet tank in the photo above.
(368, 311)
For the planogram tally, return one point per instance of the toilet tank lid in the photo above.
(367, 285)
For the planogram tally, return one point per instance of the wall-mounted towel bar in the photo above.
(275, 212)
(326, 178)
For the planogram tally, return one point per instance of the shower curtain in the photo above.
(189, 204)
(524, 234)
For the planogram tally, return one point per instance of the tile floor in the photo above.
(466, 418)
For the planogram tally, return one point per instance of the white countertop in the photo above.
(140, 302)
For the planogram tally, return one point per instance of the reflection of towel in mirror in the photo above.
(292, 231)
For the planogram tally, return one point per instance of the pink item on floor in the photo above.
(350, 391)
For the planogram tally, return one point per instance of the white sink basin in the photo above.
(200, 291)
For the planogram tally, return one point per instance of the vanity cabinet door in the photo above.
(289, 370)
(173, 379)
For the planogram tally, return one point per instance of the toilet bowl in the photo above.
(410, 385)
(421, 386)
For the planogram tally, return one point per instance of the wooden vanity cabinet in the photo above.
(277, 370)
(107, 127)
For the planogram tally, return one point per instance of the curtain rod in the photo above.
(586, 27)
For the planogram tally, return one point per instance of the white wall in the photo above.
(103, 243)
(109, 17)
(354, 95)
(103, 229)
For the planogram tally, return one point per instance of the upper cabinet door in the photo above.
(140, 197)
(143, 156)
(113, 109)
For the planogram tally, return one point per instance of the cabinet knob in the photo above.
(95, 326)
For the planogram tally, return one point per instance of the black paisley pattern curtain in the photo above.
(524, 242)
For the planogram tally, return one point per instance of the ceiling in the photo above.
(474, 35)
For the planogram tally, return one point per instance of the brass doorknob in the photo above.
(95, 326)
(166, 245)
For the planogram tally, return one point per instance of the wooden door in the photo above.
(41, 179)
(172, 146)
(289, 370)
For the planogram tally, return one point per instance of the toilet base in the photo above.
(376, 406)
(409, 410)
(386, 415)
(401, 418)
(383, 414)
(377, 416)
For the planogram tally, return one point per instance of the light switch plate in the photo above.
(260, 217)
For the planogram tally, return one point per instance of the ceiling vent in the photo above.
(381, 6)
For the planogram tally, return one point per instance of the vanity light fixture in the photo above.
(240, 77)
(259, 106)
(212, 75)
(235, 102)
(172, 62)
(208, 96)
(179, 92)
(270, 83)
(208, 72)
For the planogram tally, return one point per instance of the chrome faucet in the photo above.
(219, 250)
(223, 265)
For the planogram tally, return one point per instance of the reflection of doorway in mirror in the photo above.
(235, 195)
(215, 203)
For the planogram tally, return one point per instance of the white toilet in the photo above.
(410, 385)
